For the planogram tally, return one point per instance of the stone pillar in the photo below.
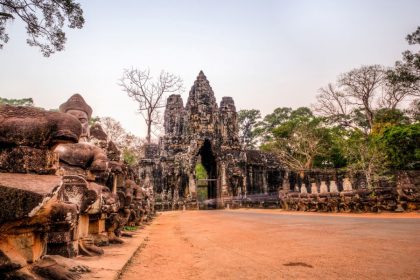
(308, 185)
(225, 191)
(347, 184)
(114, 183)
(323, 187)
(219, 194)
(97, 226)
(286, 182)
(303, 188)
(339, 182)
(239, 190)
(314, 187)
(251, 178)
(297, 187)
(333, 186)
(244, 186)
(264, 179)
(192, 186)
(83, 226)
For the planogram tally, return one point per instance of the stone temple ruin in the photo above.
(65, 192)
(203, 132)
(63, 189)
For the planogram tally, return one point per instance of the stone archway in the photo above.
(208, 160)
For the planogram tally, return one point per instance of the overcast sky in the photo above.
(265, 54)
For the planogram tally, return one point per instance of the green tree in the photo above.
(299, 139)
(265, 127)
(17, 102)
(388, 117)
(44, 20)
(407, 71)
(364, 154)
(247, 120)
(372, 136)
(333, 156)
(404, 79)
(402, 145)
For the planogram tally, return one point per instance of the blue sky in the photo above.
(265, 54)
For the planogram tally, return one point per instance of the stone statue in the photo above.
(77, 107)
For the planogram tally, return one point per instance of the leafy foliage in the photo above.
(200, 172)
(130, 228)
(17, 102)
(299, 139)
(129, 157)
(247, 120)
(265, 128)
(407, 71)
(44, 20)
(386, 118)
(402, 145)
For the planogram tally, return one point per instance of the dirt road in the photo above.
(267, 244)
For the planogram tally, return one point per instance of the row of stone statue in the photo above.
(63, 191)
(338, 195)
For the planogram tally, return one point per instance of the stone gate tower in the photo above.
(202, 132)
(207, 133)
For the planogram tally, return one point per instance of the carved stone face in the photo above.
(83, 118)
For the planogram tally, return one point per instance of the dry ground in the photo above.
(270, 244)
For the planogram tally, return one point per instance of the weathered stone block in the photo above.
(30, 245)
(9, 260)
(23, 195)
(97, 226)
(28, 160)
(59, 237)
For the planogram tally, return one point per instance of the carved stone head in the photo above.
(77, 107)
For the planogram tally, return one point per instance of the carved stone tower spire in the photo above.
(201, 107)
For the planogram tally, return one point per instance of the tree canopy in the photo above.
(44, 20)
(247, 120)
(298, 139)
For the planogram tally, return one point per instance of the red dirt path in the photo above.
(269, 244)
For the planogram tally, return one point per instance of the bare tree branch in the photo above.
(149, 94)
(360, 86)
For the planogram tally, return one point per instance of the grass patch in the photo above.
(128, 228)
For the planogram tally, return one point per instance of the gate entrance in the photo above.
(206, 174)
